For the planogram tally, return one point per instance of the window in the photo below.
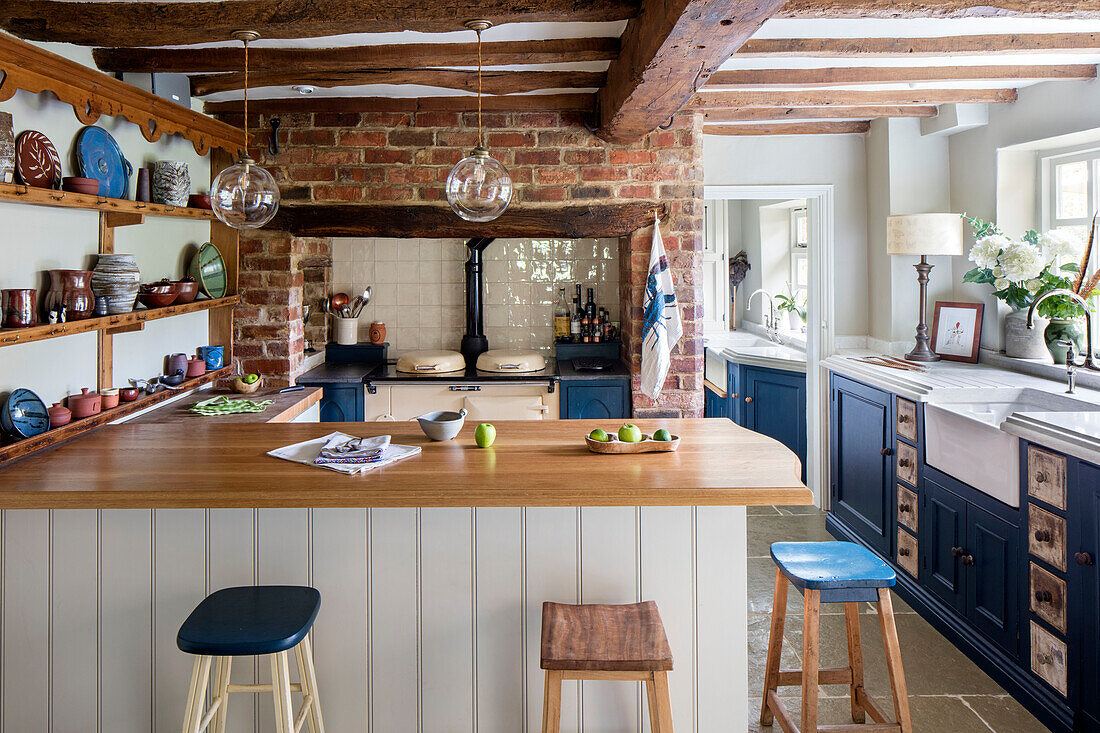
(800, 228)
(800, 241)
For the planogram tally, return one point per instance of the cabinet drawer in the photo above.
(907, 507)
(907, 463)
(907, 419)
(907, 552)
(1046, 536)
(1048, 597)
(1046, 476)
(1048, 658)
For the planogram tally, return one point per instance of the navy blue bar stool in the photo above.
(250, 621)
(832, 572)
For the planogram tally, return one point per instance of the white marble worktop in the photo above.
(750, 345)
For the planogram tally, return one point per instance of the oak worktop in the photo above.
(285, 407)
(532, 463)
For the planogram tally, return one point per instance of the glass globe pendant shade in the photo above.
(244, 195)
(479, 187)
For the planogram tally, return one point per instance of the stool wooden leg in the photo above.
(551, 702)
(775, 644)
(664, 703)
(651, 698)
(196, 694)
(222, 666)
(855, 659)
(307, 673)
(810, 659)
(893, 660)
(280, 690)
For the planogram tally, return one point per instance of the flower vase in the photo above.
(1022, 342)
(1063, 329)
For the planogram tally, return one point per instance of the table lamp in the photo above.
(924, 235)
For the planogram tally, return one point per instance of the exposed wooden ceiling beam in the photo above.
(354, 58)
(772, 114)
(984, 45)
(792, 128)
(847, 75)
(846, 98)
(493, 82)
(668, 52)
(167, 22)
(940, 9)
(510, 103)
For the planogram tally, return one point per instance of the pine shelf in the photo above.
(22, 194)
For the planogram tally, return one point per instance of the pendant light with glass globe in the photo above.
(245, 195)
(479, 188)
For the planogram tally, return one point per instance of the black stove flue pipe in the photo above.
(474, 342)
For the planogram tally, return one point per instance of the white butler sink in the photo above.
(769, 352)
(963, 436)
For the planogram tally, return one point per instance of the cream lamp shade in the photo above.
(924, 234)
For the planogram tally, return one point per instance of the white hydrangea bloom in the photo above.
(1000, 283)
(1062, 242)
(1022, 261)
(1034, 285)
(985, 250)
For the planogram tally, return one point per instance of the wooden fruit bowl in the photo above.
(646, 445)
(242, 387)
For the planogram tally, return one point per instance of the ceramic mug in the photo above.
(212, 355)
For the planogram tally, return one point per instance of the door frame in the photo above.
(820, 314)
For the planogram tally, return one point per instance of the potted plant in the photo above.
(794, 305)
(1022, 270)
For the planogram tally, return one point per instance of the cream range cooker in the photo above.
(505, 385)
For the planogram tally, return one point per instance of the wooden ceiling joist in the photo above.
(939, 9)
(354, 58)
(969, 45)
(492, 82)
(773, 114)
(847, 98)
(851, 75)
(667, 53)
(792, 128)
(511, 103)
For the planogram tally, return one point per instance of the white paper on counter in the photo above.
(307, 451)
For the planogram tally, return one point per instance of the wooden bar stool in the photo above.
(832, 572)
(604, 642)
(249, 621)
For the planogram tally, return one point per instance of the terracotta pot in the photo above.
(175, 364)
(129, 394)
(72, 290)
(59, 415)
(196, 367)
(108, 398)
(116, 278)
(20, 308)
(85, 404)
(377, 332)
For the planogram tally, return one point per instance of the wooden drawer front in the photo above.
(1048, 658)
(907, 552)
(1046, 536)
(907, 463)
(907, 507)
(1046, 476)
(1048, 597)
(907, 419)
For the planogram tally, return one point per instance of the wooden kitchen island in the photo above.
(432, 571)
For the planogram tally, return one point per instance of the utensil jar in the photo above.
(347, 331)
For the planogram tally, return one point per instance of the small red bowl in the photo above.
(128, 394)
(76, 184)
(157, 300)
(187, 291)
(199, 201)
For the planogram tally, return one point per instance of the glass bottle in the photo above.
(575, 322)
(561, 318)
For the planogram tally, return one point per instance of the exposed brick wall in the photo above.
(404, 155)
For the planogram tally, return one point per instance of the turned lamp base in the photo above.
(922, 351)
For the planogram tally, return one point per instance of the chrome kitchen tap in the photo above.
(1089, 362)
(771, 325)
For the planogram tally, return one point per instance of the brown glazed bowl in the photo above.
(156, 300)
(76, 184)
(128, 394)
(84, 404)
(199, 201)
(186, 291)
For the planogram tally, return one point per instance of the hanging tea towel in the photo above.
(661, 326)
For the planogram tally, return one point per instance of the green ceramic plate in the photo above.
(208, 269)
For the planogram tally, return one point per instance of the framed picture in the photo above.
(957, 331)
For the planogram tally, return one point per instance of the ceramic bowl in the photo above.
(85, 404)
(128, 394)
(195, 367)
(199, 201)
(442, 425)
(156, 300)
(186, 291)
(207, 268)
(76, 184)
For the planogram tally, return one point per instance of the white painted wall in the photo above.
(839, 160)
(39, 239)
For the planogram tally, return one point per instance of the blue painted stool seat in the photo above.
(250, 620)
(844, 572)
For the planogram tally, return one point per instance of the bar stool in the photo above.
(832, 572)
(249, 621)
(606, 642)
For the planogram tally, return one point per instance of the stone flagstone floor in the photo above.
(948, 693)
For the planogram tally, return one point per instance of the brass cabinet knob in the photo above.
(1040, 477)
(1044, 659)
(903, 418)
(748, 399)
(906, 507)
(1044, 596)
(903, 551)
(1083, 558)
(957, 552)
(968, 560)
(1043, 535)
(904, 462)
(886, 452)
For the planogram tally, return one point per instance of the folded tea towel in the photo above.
(223, 405)
(340, 449)
(661, 326)
(307, 452)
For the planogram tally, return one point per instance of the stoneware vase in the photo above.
(1022, 343)
(347, 331)
(7, 149)
(72, 290)
(1063, 329)
(116, 278)
(377, 332)
(171, 184)
(20, 308)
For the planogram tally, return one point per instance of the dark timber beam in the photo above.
(772, 114)
(793, 128)
(846, 98)
(516, 103)
(668, 52)
(849, 75)
(971, 45)
(940, 9)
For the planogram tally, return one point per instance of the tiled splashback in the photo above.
(419, 287)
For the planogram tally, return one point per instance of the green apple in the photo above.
(484, 435)
(598, 435)
(662, 435)
(630, 433)
(251, 378)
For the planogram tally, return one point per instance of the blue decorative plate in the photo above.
(98, 156)
(24, 415)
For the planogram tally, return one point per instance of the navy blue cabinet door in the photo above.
(993, 567)
(1084, 574)
(943, 525)
(733, 393)
(774, 404)
(861, 482)
(595, 401)
(714, 405)
(342, 403)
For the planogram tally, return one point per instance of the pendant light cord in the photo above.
(246, 95)
(480, 139)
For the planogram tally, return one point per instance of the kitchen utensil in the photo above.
(430, 362)
(646, 445)
(199, 201)
(339, 300)
(326, 304)
(503, 361)
(186, 291)
(345, 312)
(7, 149)
(59, 415)
(109, 398)
(443, 425)
(24, 415)
(212, 355)
(85, 404)
(295, 388)
(377, 332)
(19, 307)
(347, 331)
(71, 290)
(143, 190)
(36, 160)
(196, 367)
(171, 183)
(361, 302)
(208, 269)
(98, 156)
(116, 277)
(77, 184)
(128, 394)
